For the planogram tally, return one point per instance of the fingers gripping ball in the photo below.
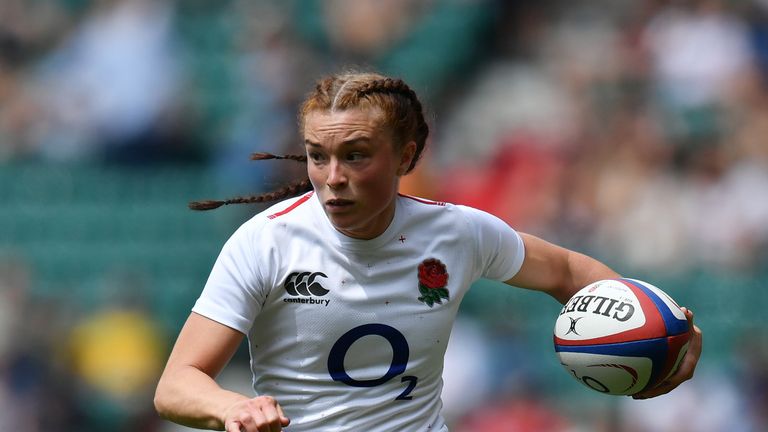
(621, 336)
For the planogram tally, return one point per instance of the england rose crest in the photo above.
(433, 278)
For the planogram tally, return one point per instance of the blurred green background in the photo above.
(634, 131)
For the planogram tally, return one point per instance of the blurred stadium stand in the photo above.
(633, 131)
(78, 225)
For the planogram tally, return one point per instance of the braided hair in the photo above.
(402, 114)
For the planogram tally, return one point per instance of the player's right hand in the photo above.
(260, 414)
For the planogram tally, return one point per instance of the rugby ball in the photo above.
(621, 336)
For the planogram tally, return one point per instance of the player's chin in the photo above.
(343, 220)
(353, 227)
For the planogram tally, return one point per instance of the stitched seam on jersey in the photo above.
(471, 233)
(423, 201)
(256, 270)
(301, 201)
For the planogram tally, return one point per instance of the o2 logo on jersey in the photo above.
(400, 354)
(303, 287)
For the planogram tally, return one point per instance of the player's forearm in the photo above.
(557, 271)
(187, 396)
(582, 271)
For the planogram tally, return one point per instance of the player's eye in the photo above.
(316, 157)
(355, 156)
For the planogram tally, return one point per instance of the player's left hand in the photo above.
(687, 364)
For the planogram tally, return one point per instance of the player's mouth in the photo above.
(338, 204)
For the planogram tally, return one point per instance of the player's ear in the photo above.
(406, 157)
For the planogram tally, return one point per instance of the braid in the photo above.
(399, 87)
(292, 189)
(265, 156)
(387, 85)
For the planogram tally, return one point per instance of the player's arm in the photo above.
(557, 271)
(188, 394)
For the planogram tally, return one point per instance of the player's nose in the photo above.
(337, 178)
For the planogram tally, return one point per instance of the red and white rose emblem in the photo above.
(433, 278)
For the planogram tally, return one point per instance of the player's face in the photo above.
(355, 169)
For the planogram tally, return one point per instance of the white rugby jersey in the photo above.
(349, 334)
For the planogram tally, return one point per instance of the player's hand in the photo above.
(685, 369)
(260, 414)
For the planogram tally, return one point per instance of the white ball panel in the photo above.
(601, 309)
(609, 374)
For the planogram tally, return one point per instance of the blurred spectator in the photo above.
(639, 216)
(432, 44)
(713, 397)
(266, 61)
(34, 395)
(734, 229)
(367, 28)
(107, 88)
(698, 50)
(18, 114)
(521, 184)
(528, 413)
(116, 354)
(27, 31)
(466, 373)
(751, 377)
(14, 286)
(757, 17)
(507, 98)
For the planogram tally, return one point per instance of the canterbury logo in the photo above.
(304, 284)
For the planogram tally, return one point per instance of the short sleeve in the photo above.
(234, 293)
(500, 249)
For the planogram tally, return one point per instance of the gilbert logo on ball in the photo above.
(621, 336)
